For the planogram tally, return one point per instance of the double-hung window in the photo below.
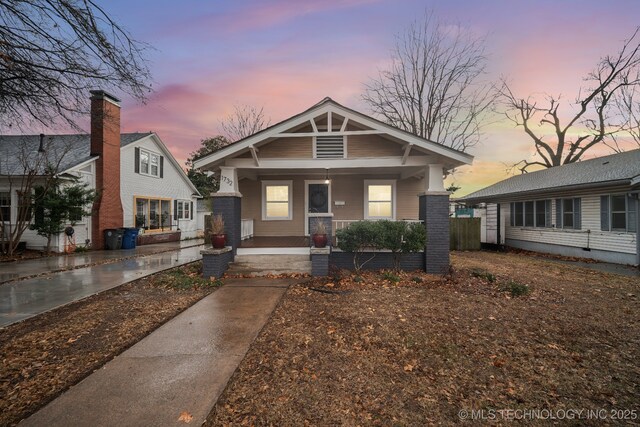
(183, 209)
(276, 200)
(148, 163)
(569, 213)
(618, 213)
(379, 199)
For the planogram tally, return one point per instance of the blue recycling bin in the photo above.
(129, 238)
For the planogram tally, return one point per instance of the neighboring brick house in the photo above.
(139, 181)
(333, 164)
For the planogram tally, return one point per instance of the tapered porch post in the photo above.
(434, 211)
(227, 201)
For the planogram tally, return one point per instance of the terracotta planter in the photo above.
(319, 240)
(218, 240)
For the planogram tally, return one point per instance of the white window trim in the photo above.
(263, 202)
(183, 203)
(367, 183)
(149, 153)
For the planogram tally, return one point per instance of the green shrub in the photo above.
(391, 277)
(396, 236)
(516, 289)
(484, 275)
(417, 279)
(358, 279)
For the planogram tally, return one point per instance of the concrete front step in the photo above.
(261, 265)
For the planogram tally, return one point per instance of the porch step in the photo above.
(261, 265)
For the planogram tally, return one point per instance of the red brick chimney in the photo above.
(105, 143)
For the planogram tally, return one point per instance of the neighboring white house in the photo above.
(139, 182)
(587, 209)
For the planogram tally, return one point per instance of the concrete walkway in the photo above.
(26, 298)
(181, 367)
(15, 270)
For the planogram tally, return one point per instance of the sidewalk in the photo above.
(181, 367)
(33, 267)
(22, 299)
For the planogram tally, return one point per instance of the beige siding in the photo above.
(372, 146)
(589, 236)
(346, 188)
(282, 148)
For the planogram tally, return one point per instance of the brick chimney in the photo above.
(105, 143)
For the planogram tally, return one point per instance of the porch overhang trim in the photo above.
(212, 160)
(374, 162)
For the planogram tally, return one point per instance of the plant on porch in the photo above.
(218, 238)
(319, 233)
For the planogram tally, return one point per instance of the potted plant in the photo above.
(218, 238)
(319, 235)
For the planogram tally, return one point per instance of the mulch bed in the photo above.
(375, 351)
(43, 356)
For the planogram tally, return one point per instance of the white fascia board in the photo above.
(79, 166)
(452, 155)
(167, 155)
(234, 148)
(369, 162)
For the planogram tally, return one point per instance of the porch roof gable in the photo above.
(328, 106)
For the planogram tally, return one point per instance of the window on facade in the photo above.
(518, 210)
(152, 213)
(529, 214)
(541, 213)
(183, 209)
(149, 163)
(5, 205)
(144, 162)
(379, 200)
(618, 212)
(567, 213)
(276, 196)
(329, 147)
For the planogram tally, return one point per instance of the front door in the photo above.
(317, 200)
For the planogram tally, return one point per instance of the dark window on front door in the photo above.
(318, 198)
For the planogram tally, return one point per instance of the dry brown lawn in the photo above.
(417, 352)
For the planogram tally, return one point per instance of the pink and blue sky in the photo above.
(286, 55)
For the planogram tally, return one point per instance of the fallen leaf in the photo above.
(185, 417)
(408, 367)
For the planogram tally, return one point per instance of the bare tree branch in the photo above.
(611, 85)
(52, 52)
(243, 122)
(433, 87)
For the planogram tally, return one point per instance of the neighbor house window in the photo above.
(379, 199)
(568, 213)
(5, 205)
(183, 209)
(531, 213)
(152, 213)
(276, 200)
(618, 213)
(149, 163)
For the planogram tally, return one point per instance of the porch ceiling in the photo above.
(401, 171)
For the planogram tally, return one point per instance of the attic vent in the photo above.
(329, 147)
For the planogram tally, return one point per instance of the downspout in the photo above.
(638, 230)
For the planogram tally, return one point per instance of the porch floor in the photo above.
(276, 242)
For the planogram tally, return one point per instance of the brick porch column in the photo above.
(434, 211)
(228, 203)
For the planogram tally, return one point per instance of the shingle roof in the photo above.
(74, 150)
(609, 169)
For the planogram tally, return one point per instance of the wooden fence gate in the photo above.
(464, 234)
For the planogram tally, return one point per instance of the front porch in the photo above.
(276, 242)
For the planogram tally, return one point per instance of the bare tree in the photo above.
(627, 104)
(243, 122)
(434, 85)
(26, 165)
(593, 123)
(53, 51)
